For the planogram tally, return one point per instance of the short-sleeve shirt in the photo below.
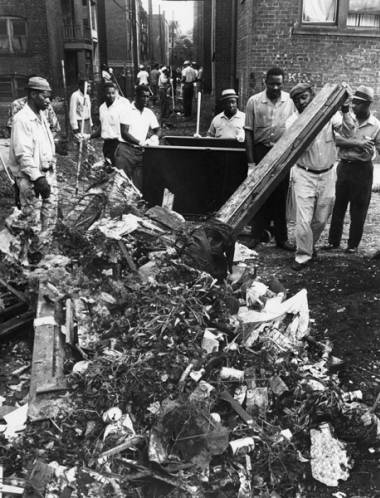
(110, 117)
(224, 127)
(143, 77)
(368, 129)
(139, 122)
(267, 119)
(189, 74)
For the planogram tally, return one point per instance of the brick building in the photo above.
(37, 35)
(313, 40)
(160, 39)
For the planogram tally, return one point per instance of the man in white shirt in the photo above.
(230, 122)
(111, 113)
(134, 129)
(189, 76)
(142, 76)
(32, 162)
(80, 109)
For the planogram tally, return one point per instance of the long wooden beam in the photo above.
(264, 178)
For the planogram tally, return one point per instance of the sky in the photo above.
(182, 10)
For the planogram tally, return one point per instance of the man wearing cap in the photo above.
(265, 117)
(80, 109)
(32, 161)
(313, 176)
(230, 122)
(355, 171)
(189, 76)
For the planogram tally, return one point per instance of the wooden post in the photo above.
(81, 140)
(264, 178)
(66, 99)
(199, 100)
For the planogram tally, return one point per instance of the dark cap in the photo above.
(299, 89)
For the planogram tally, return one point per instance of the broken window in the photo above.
(364, 13)
(319, 11)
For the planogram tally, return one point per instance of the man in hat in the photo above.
(355, 171)
(189, 76)
(265, 117)
(32, 162)
(313, 176)
(80, 109)
(230, 122)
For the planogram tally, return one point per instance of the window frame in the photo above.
(17, 84)
(9, 24)
(339, 27)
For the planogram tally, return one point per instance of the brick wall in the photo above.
(267, 36)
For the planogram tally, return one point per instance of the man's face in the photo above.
(360, 108)
(110, 95)
(81, 88)
(142, 99)
(230, 106)
(302, 100)
(274, 86)
(41, 99)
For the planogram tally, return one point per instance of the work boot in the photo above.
(330, 247)
(286, 246)
(300, 266)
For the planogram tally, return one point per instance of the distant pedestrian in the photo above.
(106, 74)
(230, 122)
(164, 93)
(80, 109)
(142, 76)
(314, 177)
(355, 171)
(153, 78)
(265, 117)
(32, 163)
(111, 113)
(134, 128)
(189, 76)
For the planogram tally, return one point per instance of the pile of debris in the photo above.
(172, 369)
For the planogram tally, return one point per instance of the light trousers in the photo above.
(314, 195)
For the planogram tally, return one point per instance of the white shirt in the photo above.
(224, 127)
(110, 117)
(80, 108)
(139, 122)
(32, 144)
(189, 74)
(143, 77)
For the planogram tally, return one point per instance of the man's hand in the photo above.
(251, 166)
(366, 143)
(42, 188)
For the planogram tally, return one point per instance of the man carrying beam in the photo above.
(265, 117)
(313, 176)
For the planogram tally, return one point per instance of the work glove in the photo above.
(42, 188)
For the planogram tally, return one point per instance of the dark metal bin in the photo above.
(201, 178)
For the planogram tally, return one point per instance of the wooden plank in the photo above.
(47, 361)
(17, 323)
(264, 178)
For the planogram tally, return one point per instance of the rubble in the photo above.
(176, 377)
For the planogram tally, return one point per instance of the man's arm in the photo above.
(211, 131)
(249, 134)
(124, 130)
(344, 124)
(73, 114)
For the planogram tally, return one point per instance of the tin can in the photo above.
(242, 446)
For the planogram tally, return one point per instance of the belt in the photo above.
(355, 161)
(316, 171)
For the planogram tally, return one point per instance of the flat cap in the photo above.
(300, 88)
(186, 63)
(364, 93)
(38, 83)
(229, 94)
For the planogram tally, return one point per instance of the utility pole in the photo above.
(151, 45)
(135, 47)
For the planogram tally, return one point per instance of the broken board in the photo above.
(15, 314)
(272, 169)
(47, 364)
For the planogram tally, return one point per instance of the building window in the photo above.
(344, 15)
(12, 87)
(364, 13)
(13, 35)
(319, 11)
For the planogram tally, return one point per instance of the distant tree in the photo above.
(183, 49)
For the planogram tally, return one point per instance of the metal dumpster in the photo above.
(201, 178)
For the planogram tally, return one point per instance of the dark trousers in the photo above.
(109, 148)
(353, 186)
(130, 159)
(274, 208)
(187, 95)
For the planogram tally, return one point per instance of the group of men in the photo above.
(313, 181)
(125, 128)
